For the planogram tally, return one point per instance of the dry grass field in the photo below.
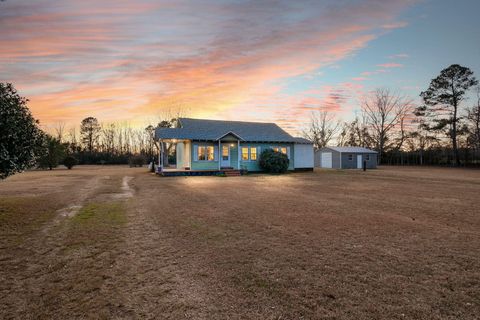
(121, 243)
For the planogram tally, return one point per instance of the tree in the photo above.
(384, 111)
(19, 132)
(443, 100)
(70, 162)
(354, 134)
(52, 152)
(90, 131)
(322, 129)
(473, 118)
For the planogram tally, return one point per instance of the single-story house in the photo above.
(345, 158)
(213, 145)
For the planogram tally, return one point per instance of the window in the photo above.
(205, 153)
(244, 153)
(224, 152)
(350, 157)
(253, 153)
(201, 153)
(276, 149)
(283, 150)
(367, 157)
(210, 153)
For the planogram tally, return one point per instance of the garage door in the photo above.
(326, 160)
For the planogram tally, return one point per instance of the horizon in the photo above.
(132, 62)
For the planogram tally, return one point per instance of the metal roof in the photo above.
(212, 130)
(351, 149)
(301, 140)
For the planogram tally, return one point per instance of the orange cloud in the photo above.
(121, 60)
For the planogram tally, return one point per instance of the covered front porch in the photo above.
(202, 157)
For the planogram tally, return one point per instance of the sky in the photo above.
(268, 61)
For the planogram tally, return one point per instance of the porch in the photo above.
(201, 157)
(182, 172)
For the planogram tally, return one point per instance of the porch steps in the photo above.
(232, 173)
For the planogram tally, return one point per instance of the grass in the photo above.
(393, 243)
(22, 215)
(108, 214)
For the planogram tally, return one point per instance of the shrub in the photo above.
(136, 161)
(70, 162)
(273, 161)
(50, 153)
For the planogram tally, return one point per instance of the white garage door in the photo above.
(303, 155)
(326, 160)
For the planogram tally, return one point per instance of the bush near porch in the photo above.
(273, 162)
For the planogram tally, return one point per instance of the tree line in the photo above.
(442, 130)
(25, 145)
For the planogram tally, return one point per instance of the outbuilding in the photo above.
(345, 158)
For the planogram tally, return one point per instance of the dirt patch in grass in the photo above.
(392, 243)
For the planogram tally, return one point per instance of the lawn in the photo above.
(116, 242)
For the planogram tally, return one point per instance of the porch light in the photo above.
(174, 140)
(232, 145)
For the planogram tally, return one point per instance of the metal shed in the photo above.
(345, 158)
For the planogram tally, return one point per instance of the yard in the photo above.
(116, 242)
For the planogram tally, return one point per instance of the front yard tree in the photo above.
(90, 131)
(52, 152)
(384, 111)
(19, 132)
(443, 100)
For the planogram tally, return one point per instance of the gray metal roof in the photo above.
(302, 140)
(350, 149)
(212, 130)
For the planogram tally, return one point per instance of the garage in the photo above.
(326, 160)
(345, 158)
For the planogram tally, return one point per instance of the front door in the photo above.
(359, 161)
(225, 160)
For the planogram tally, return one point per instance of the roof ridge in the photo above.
(239, 121)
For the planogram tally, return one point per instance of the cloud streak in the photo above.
(123, 59)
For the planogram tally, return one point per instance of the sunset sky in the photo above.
(239, 60)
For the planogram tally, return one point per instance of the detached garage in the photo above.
(345, 158)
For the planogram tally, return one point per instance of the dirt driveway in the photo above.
(115, 242)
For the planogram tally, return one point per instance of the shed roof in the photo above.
(212, 130)
(351, 149)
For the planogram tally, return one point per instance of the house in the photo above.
(345, 158)
(213, 146)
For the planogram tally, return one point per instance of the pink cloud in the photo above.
(390, 65)
(126, 60)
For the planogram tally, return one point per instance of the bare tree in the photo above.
(383, 112)
(60, 131)
(355, 134)
(322, 129)
(473, 118)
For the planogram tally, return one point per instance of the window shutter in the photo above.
(288, 152)
(195, 152)
(215, 153)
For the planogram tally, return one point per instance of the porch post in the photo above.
(219, 156)
(238, 154)
(161, 155)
